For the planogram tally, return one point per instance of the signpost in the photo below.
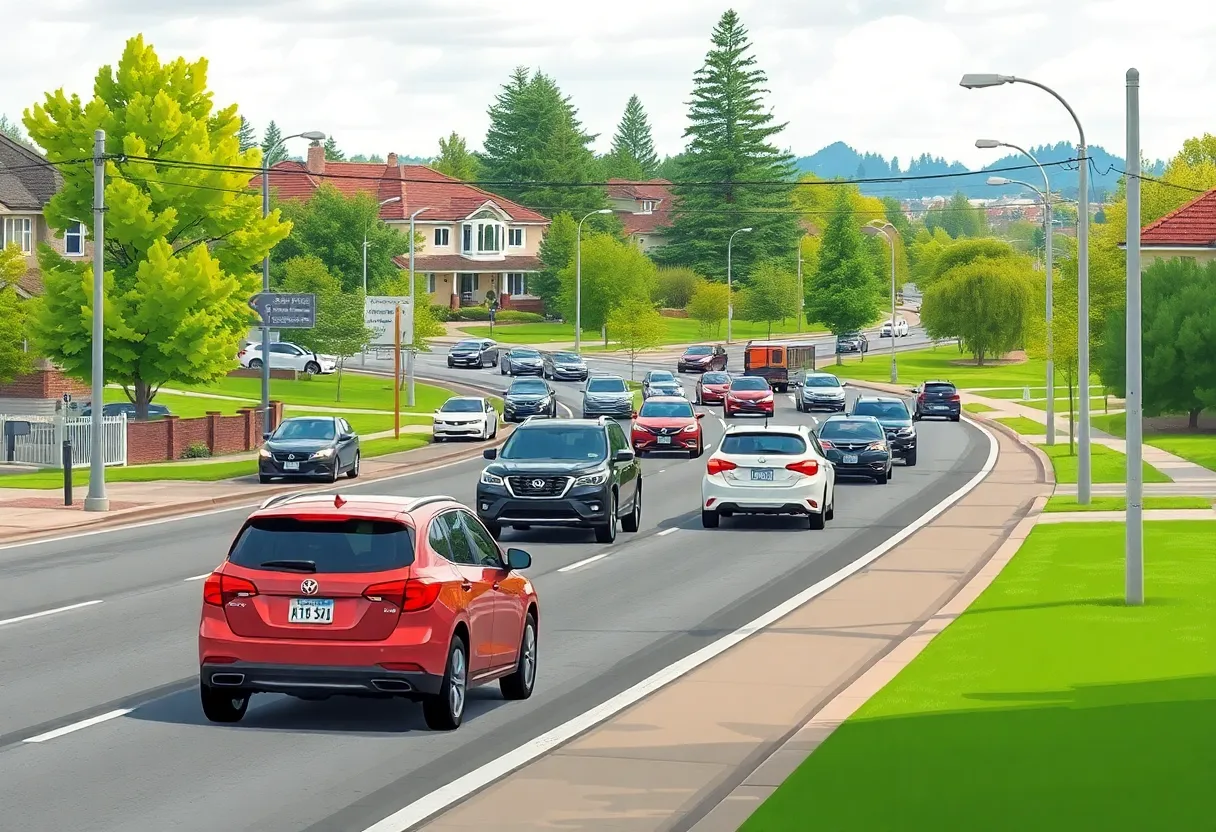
(285, 311)
(396, 372)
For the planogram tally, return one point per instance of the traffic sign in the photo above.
(378, 317)
(285, 311)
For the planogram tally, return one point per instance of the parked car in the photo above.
(937, 398)
(607, 396)
(900, 328)
(474, 352)
(712, 387)
(465, 416)
(564, 366)
(819, 391)
(374, 597)
(893, 415)
(857, 446)
(702, 357)
(528, 397)
(522, 361)
(661, 383)
(310, 447)
(852, 342)
(288, 356)
(748, 394)
(155, 411)
(667, 423)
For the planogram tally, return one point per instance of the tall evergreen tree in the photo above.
(273, 150)
(455, 160)
(632, 156)
(730, 144)
(248, 137)
(332, 152)
(843, 293)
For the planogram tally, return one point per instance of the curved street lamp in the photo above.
(730, 300)
(578, 280)
(880, 228)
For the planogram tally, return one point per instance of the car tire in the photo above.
(332, 476)
(312, 368)
(830, 514)
(816, 522)
(519, 684)
(353, 473)
(255, 364)
(451, 363)
(910, 459)
(444, 711)
(881, 479)
(710, 519)
(220, 705)
(696, 452)
(891, 471)
(606, 532)
(263, 479)
(503, 370)
(726, 414)
(954, 418)
(634, 521)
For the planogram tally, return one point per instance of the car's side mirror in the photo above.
(633, 414)
(913, 389)
(518, 559)
(490, 453)
(700, 415)
(624, 455)
(346, 437)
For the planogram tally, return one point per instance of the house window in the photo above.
(489, 237)
(430, 282)
(515, 238)
(647, 206)
(467, 239)
(443, 237)
(19, 231)
(517, 284)
(73, 239)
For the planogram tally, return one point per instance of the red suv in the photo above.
(748, 394)
(323, 595)
(667, 423)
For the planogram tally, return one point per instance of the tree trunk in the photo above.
(1192, 421)
(1072, 432)
(979, 358)
(142, 398)
(341, 366)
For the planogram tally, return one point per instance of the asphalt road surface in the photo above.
(109, 690)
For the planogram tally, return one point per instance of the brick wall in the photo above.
(163, 440)
(46, 383)
(283, 375)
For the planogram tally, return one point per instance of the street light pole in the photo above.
(801, 296)
(730, 300)
(578, 280)
(1134, 544)
(366, 230)
(97, 499)
(979, 81)
(883, 229)
(409, 356)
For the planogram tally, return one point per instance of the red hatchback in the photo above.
(324, 596)
(667, 423)
(748, 394)
(712, 387)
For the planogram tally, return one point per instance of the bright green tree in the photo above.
(332, 152)
(340, 330)
(247, 136)
(708, 306)
(273, 150)
(676, 286)
(984, 303)
(962, 252)
(958, 218)
(893, 212)
(843, 292)
(1065, 336)
(455, 160)
(613, 272)
(731, 137)
(637, 326)
(771, 295)
(15, 359)
(923, 252)
(632, 156)
(182, 243)
(556, 253)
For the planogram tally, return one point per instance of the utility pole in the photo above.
(97, 499)
(1134, 557)
(409, 356)
(801, 296)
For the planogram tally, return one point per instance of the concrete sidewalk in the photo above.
(671, 760)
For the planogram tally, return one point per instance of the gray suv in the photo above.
(819, 391)
(607, 396)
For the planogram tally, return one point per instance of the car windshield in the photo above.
(699, 351)
(525, 354)
(846, 429)
(848, 335)
(938, 387)
(308, 546)
(882, 410)
(467, 345)
(822, 381)
(749, 383)
(666, 410)
(765, 443)
(462, 406)
(306, 429)
(527, 388)
(606, 385)
(660, 375)
(715, 378)
(568, 443)
(566, 357)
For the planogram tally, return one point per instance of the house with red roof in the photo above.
(1190, 231)
(475, 242)
(644, 209)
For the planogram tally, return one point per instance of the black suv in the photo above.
(574, 473)
(528, 397)
(852, 342)
(937, 398)
(893, 415)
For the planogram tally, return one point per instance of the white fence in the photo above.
(43, 446)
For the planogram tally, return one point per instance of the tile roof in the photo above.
(658, 190)
(1194, 224)
(27, 180)
(459, 263)
(30, 283)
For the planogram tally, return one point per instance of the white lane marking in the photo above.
(197, 577)
(76, 726)
(45, 613)
(666, 532)
(493, 771)
(584, 562)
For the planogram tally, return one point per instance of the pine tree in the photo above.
(332, 152)
(843, 293)
(248, 137)
(273, 150)
(632, 156)
(730, 144)
(455, 160)
(10, 128)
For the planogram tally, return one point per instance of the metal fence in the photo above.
(43, 445)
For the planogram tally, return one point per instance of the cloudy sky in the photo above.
(881, 75)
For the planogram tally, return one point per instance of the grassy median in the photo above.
(1024, 426)
(1106, 464)
(1064, 502)
(1049, 705)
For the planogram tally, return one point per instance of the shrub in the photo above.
(503, 316)
(441, 313)
(196, 450)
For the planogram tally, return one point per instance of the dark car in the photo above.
(310, 447)
(852, 342)
(528, 397)
(474, 352)
(607, 396)
(702, 357)
(937, 398)
(155, 411)
(573, 473)
(522, 361)
(564, 366)
(661, 383)
(712, 387)
(893, 415)
(857, 447)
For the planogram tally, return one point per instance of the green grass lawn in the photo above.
(976, 407)
(1024, 426)
(915, 366)
(359, 392)
(1107, 465)
(1066, 503)
(1049, 705)
(1199, 448)
(1016, 393)
(678, 331)
(1096, 405)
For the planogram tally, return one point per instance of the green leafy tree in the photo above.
(893, 213)
(332, 152)
(671, 168)
(455, 160)
(374, 159)
(676, 286)
(708, 306)
(247, 136)
(340, 330)
(632, 156)
(984, 303)
(771, 296)
(842, 294)
(1065, 336)
(556, 253)
(182, 242)
(958, 218)
(962, 252)
(1178, 321)
(427, 327)
(926, 247)
(731, 137)
(636, 326)
(10, 128)
(273, 150)
(15, 359)
(613, 272)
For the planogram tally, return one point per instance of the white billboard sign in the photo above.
(378, 317)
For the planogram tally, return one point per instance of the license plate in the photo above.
(940, 407)
(291, 466)
(850, 459)
(311, 611)
(664, 440)
(762, 474)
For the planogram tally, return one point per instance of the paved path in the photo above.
(1121, 516)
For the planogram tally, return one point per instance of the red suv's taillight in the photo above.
(410, 595)
(954, 398)
(717, 466)
(219, 589)
(809, 467)
(391, 591)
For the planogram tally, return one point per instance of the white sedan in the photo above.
(468, 417)
(288, 356)
(774, 469)
(900, 328)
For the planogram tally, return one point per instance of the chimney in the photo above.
(316, 158)
(392, 160)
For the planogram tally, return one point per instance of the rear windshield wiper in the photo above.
(291, 565)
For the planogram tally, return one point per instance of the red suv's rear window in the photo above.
(348, 545)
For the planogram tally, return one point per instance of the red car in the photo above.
(712, 387)
(326, 595)
(667, 423)
(748, 394)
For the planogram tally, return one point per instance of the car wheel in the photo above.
(954, 418)
(332, 476)
(519, 684)
(494, 429)
(709, 519)
(696, 452)
(606, 533)
(263, 479)
(634, 521)
(816, 522)
(726, 414)
(221, 705)
(451, 363)
(830, 514)
(503, 370)
(881, 479)
(891, 471)
(255, 364)
(312, 368)
(910, 459)
(353, 473)
(445, 710)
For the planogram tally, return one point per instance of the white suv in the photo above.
(774, 469)
(901, 329)
(287, 356)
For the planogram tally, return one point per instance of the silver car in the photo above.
(819, 391)
(607, 396)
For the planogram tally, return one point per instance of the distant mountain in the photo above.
(839, 161)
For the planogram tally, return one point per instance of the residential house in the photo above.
(1189, 231)
(27, 183)
(474, 242)
(644, 209)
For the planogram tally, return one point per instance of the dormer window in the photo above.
(484, 234)
(647, 206)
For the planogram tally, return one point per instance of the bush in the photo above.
(503, 316)
(196, 450)
(441, 313)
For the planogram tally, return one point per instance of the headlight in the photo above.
(877, 446)
(490, 479)
(691, 428)
(594, 478)
(264, 454)
(324, 453)
(907, 431)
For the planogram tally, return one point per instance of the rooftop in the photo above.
(656, 190)
(27, 180)
(1192, 225)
